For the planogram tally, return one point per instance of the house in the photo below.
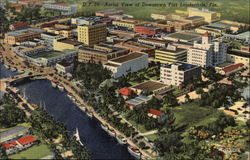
(232, 69)
(18, 26)
(10, 147)
(126, 91)
(27, 141)
(154, 113)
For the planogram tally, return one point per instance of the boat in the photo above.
(134, 152)
(89, 114)
(78, 137)
(21, 72)
(121, 139)
(13, 69)
(54, 83)
(69, 95)
(105, 127)
(111, 132)
(60, 87)
(82, 108)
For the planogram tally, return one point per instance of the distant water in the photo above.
(5, 73)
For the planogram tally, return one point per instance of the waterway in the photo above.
(101, 145)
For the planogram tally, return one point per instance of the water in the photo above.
(101, 145)
(5, 73)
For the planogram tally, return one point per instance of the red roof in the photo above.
(9, 145)
(206, 35)
(26, 140)
(19, 24)
(126, 91)
(232, 67)
(154, 112)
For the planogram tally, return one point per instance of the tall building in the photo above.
(207, 52)
(179, 73)
(209, 16)
(170, 54)
(92, 34)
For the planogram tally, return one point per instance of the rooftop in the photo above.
(149, 86)
(154, 112)
(232, 67)
(68, 41)
(184, 36)
(50, 33)
(32, 49)
(64, 63)
(51, 54)
(178, 50)
(153, 40)
(194, 18)
(138, 100)
(26, 140)
(25, 31)
(12, 131)
(19, 24)
(128, 57)
(181, 66)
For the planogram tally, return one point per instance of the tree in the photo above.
(170, 99)
(212, 75)
(4, 21)
(3, 154)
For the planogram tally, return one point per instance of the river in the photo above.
(101, 145)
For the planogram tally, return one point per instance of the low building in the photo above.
(125, 24)
(195, 20)
(64, 67)
(22, 35)
(137, 47)
(31, 2)
(49, 38)
(180, 25)
(183, 37)
(209, 16)
(147, 29)
(231, 69)
(137, 102)
(64, 8)
(213, 30)
(100, 53)
(170, 55)
(29, 51)
(26, 141)
(50, 58)
(64, 43)
(130, 63)
(12, 133)
(179, 73)
(126, 91)
(239, 37)
(108, 12)
(166, 27)
(159, 16)
(153, 42)
(18, 26)
(153, 87)
(123, 33)
(66, 25)
(155, 113)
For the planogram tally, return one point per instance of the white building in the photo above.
(64, 67)
(207, 52)
(49, 38)
(127, 64)
(64, 8)
(178, 73)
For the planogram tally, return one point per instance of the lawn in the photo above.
(152, 137)
(35, 152)
(192, 114)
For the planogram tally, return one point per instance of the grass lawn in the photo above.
(141, 128)
(192, 114)
(152, 137)
(35, 152)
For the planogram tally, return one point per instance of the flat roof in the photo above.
(194, 18)
(128, 57)
(50, 33)
(149, 86)
(181, 66)
(68, 41)
(239, 53)
(138, 100)
(94, 50)
(172, 51)
(13, 131)
(51, 54)
(24, 31)
(64, 63)
(112, 65)
(183, 35)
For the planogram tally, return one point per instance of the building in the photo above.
(12, 133)
(137, 101)
(233, 26)
(209, 16)
(123, 33)
(65, 25)
(147, 29)
(26, 141)
(195, 21)
(125, 24)
(239, 37)
(137, 47)
(170, 55)
(180, 25)
(29, 51)
(207, 52)
(179, 73)
(50, 58)
(231, 69)
(64, 67)
(92, 34)
(159, 16)
(3, 3)
(126, 91)
(100, 53)
(68, 33)
(166, 27)
(18, 26)
(86, 20)
(183, 37)
(22, 35)
(129, 63)
(109, 12)
(214, 30)
(64, 43)
(154, 113)
(31, 2)
(49, 38)
(239, 56)
(64, 8)
(153, 42)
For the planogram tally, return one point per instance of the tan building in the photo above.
(209, 16)
(238, 56)
(62, 32)
(92, 34)
(64, 43)
(124, 24)
(22, 35)
(195, 20)
(100, 53)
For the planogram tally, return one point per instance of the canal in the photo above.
(57, 104)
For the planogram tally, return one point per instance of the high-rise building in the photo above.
(207, 52)
(170, 55)
(92, 34)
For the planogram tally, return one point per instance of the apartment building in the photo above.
(170, 54)
(100, 53)
(64, 8)
(207, 52)
(129, 63)
(64, 43)
(178, 73)
(22, 35)
(92, 34)
(209, 16)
